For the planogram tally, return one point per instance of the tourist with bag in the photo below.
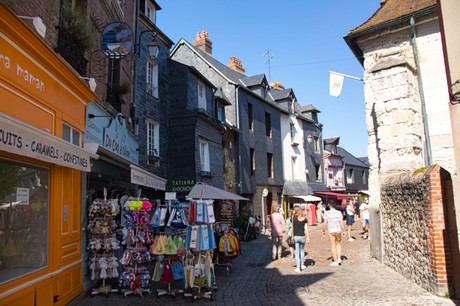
(278, 229)
(289, 241)
(300, 236)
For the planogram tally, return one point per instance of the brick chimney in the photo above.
(277, 85)
(236, 65)
(203, 43)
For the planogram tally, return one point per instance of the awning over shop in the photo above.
(142, 177)
(296, 188)
(339, 196)
(19, 138)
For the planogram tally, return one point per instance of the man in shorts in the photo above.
(333, 222)
(364, 210)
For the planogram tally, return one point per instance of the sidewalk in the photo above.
(256, 280)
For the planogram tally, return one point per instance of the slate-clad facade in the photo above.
(190, 125)
(238, 177)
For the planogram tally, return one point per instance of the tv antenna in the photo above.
(269, 59)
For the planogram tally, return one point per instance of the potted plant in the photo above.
(76, 27)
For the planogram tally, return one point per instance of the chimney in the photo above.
(277, 85)
(203, 43)
(236, 65)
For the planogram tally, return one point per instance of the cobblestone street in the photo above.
(256, 280)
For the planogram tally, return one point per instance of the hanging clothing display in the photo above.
(103, 243)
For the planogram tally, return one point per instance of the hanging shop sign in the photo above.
(110, 133)
(142, 177)
(19, 138)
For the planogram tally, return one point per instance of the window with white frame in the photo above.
(220, 113)
(270, 165)
(350, 176)
(153, 138)
(293, 166)
(150, 11)
(152, 78)
(71, 135)
(204, 155)
(201, 96)
(293, 132)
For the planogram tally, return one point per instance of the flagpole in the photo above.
(346, 75)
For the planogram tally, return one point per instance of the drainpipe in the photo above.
(427, 143)
(237, 108)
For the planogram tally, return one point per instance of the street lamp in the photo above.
(152, 46)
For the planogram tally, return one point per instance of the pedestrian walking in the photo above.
(333, 222)
(350, 218)
(278, 229)
(290, 242)
(319, 212)
(365, 218)
(300, 236)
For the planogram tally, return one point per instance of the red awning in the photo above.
(337, 195)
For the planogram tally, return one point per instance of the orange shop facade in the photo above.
(42, 161)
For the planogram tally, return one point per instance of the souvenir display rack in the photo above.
(137, 238)
(200, 242)
(228, 246)
(169, 220)
(103, 243)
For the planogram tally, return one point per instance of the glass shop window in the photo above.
(24, 205)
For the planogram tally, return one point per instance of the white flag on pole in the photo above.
(335, 84)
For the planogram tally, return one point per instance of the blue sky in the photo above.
(305, 39)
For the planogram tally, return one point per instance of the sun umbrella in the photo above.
(203, 191)
(309, 198)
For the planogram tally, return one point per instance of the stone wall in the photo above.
(412, 210)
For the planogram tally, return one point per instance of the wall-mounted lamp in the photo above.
(119, 115)
(153, 49)
(153, 45)
(91, 82)
(40, 27)
(310, 138)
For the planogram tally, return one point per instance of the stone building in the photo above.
(409, 128)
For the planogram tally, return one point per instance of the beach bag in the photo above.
(194, 236)
(167, 275)
(210, 212)
(155, 222)
(209, 272)
(189, 270)
(160, 247)
(199, 211)
(178, 270)
(200, 276)
(204, 238)
(180, 245)
(192, 212)
(171, 247)
(157, 271)
(212, 238)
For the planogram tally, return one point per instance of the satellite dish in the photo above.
(117, 40)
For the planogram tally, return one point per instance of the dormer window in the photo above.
(201, 96)
(150, 11)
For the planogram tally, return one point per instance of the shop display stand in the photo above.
(228, 266)
(208, 218)
(169, 291)
(135, 279)
(139, 290)
(103, 243)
